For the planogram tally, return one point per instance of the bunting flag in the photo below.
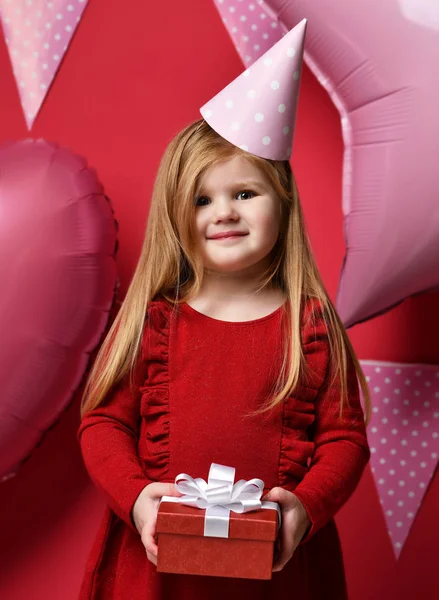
(253, 26)
(404, 439)
(37, 35)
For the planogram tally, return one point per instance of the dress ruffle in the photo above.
(299, 408)
(154, 402)
(296, 448)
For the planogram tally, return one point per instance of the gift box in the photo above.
(219, 529)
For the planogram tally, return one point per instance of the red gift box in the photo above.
(183, 547)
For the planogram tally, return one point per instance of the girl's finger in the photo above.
(148, 535)
(149, 543)
(276, 551)
(157, 490)
(276, 494)
(286, 544)
(152, 558)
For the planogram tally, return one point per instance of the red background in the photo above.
(134, 75)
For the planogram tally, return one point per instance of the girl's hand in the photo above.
(295, 522)
(145, 514)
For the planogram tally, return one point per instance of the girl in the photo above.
(226, 349)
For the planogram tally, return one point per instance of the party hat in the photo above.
(257, 110)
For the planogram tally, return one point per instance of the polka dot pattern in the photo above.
(253, 26)
(34, 61)
(263, 99)
(404, 439)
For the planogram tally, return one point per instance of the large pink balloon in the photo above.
(379, 63)
(58, 277)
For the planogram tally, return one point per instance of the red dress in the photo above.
(196, 379)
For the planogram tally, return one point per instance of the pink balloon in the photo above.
(58, 276)
(379, 63)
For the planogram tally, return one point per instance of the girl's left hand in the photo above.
(295, 522)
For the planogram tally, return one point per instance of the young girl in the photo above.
(226, 349)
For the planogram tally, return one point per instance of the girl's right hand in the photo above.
(145, 514)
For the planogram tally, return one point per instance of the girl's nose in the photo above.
(224, 209)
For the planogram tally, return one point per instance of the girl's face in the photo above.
(234, 196)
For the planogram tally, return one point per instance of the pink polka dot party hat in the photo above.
(257, 110)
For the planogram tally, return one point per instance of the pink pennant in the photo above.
(38, 34)
(253, 26)
(404, 439)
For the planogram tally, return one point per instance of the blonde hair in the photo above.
(170, 266)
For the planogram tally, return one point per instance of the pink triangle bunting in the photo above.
(404, 439)
(253, 26)
(37, 35)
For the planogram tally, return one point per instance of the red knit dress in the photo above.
(195, 381)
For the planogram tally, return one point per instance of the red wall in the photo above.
(135, 74)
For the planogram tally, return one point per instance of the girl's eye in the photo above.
(247, 192)
(198, 201)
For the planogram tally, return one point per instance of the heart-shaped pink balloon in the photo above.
(58, 277)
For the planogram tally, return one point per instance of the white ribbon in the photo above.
(219, 496)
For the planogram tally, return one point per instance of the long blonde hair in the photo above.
(170, 266)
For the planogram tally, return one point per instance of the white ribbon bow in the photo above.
(219, 496)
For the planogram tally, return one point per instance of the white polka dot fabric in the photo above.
(404, 439)
(257, 111)
(37, 35)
